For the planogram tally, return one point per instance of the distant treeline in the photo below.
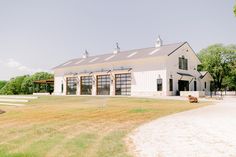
(23, 84)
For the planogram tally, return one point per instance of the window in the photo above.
(79, 61)
(108, 58)
(93, 60)
(67, 63)
(205, 85)
(195, 85)
(183, 63)
(71, 84)
(159, 84)
(62, 88)
(171, 84)
(103, 85)
(86, 85)
(132, 54)
(123, 84)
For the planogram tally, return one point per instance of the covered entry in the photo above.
(183, 85)
(43, 86)
(184, 82)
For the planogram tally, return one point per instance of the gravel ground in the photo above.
(206, 132)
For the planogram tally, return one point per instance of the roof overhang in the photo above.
(186, 76)
(100, 72)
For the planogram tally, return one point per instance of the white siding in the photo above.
(173, 68)
(145, 73)
(145, 83)
(58, 80)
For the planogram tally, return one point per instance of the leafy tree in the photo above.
(219, 60)
(235, 10)
(2, 84)
(23, 84)
(27, 84)
(13, 86)
(230, 80)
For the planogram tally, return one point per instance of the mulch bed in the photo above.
(1, 111)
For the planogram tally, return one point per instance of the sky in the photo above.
(37, 35)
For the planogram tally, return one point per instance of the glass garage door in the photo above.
(103, 85)
(123, 84)
(86, 85)
(71, 84)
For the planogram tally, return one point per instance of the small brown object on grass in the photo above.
(192, 99)
(1, 111)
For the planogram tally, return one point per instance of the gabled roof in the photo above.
(203, 74)
(164, 50)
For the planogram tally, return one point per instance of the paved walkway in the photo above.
(206, 132)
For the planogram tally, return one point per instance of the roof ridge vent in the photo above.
(117, 49)
(158, 42)
(85, 54)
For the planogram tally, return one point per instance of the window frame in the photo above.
(103, 84)
(71, 86)
(183, 63)
(160, 84)
(171, 84)
(86, 83)
(123, 84)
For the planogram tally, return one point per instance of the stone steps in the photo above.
(11, 104)
(15, 100)
(18, 97)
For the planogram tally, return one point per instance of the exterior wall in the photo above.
(145, 83)
(58, 81)
(207, 78)
(173, 68)
(144, 73)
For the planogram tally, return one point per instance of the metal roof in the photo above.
(164, 50)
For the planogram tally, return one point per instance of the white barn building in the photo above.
(163, 70)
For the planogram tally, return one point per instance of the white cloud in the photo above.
(13, 64)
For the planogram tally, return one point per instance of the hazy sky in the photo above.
(40, 34)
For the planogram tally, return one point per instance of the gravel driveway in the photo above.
(205, 132)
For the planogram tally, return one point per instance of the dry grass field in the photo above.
(78, 126)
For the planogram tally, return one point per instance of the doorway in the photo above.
(183, 85)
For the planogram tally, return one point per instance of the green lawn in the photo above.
(78, 126)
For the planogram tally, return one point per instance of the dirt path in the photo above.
(205, 132)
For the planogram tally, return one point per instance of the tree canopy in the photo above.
(23, 84)
(2, 84)
(235, 9)
(219, 61)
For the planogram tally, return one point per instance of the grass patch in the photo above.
(140, 110)
(78, 126)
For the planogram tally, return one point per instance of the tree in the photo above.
(23, 84)
(218, 61)
(230, 80)
(13, 86)
(235, 10)
(27, 84)
(2, 84)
